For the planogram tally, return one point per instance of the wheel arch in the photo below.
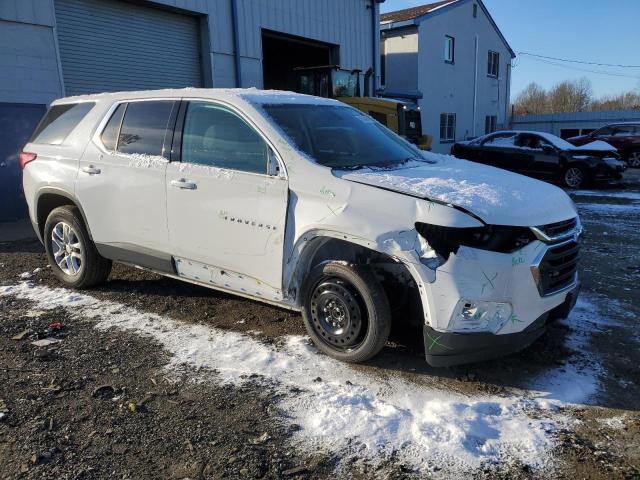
(48, 199)
(318, 248)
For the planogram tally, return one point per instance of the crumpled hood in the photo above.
(497, 196)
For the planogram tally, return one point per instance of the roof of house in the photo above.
(415, 12)
(401, 18)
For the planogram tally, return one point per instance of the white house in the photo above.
(452, 59)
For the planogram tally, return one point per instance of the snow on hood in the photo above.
(596, 145)
(497, 196)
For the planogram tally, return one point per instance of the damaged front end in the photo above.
(495, 287)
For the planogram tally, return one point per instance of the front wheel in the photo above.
(633, 160)
(575, 176)
(346, 311)
(72, 255)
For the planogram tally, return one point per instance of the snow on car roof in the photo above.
(552, 139)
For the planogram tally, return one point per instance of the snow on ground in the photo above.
(606, 194)
(353, 414)
(577, 380)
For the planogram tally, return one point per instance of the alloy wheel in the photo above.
(634, 159)
(338, 314)
(574, 177)
(66, 249)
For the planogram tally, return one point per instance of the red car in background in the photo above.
(623, 136)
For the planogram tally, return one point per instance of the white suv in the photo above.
(308, 204)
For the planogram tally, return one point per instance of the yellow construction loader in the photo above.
(332, 81)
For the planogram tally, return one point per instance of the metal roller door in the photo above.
(111, 45)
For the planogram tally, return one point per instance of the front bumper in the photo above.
(445, 349)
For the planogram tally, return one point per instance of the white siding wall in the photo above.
(449, 88)
(400, 49)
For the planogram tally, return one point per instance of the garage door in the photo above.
(110, 45)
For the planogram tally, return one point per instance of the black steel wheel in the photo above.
(346, 311)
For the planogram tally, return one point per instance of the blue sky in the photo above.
(589, 30)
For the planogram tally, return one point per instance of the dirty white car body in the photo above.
(259, 235)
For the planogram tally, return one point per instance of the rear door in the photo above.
(226, 213)
(121, 181)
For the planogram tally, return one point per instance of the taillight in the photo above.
(26, 157)
(453, 150)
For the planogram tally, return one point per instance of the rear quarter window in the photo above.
(59, 121)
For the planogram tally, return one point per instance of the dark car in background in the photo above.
(544, 156)
(625, 137)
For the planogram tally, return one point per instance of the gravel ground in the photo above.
(103, 404)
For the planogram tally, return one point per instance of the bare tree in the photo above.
(629, 100)
(570, 96)
(532, 100)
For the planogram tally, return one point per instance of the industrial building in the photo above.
(55, 48)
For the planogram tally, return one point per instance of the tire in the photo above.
(633, 159)
(575, 176)
(351, 297)
(72, 254)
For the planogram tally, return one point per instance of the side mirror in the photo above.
(548, 149)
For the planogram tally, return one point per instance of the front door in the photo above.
(226, 213)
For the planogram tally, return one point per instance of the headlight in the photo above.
(495, 238)
(612, 162)
(479, 316)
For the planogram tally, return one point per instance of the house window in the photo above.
(490, 122)
(493, 60)
(447, 127)
(475, 10)
(449, 49)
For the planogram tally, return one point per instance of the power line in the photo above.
(612, 74)
(579, 61)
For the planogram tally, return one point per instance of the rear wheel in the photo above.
(72, 255)
(575, 176)
(634, 159)
(346, 311)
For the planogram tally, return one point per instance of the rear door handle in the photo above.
(91, 170)
(184, 184)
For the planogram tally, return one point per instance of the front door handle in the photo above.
(91, 170)
(184, 184)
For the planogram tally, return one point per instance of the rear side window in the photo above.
(217, 137)
(144, 127)
(110, 133)
(59, 121)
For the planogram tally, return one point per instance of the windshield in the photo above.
(341, 137)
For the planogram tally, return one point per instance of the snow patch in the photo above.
(578, 380)
(497, 196)
(350, 413)
(141, 160)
